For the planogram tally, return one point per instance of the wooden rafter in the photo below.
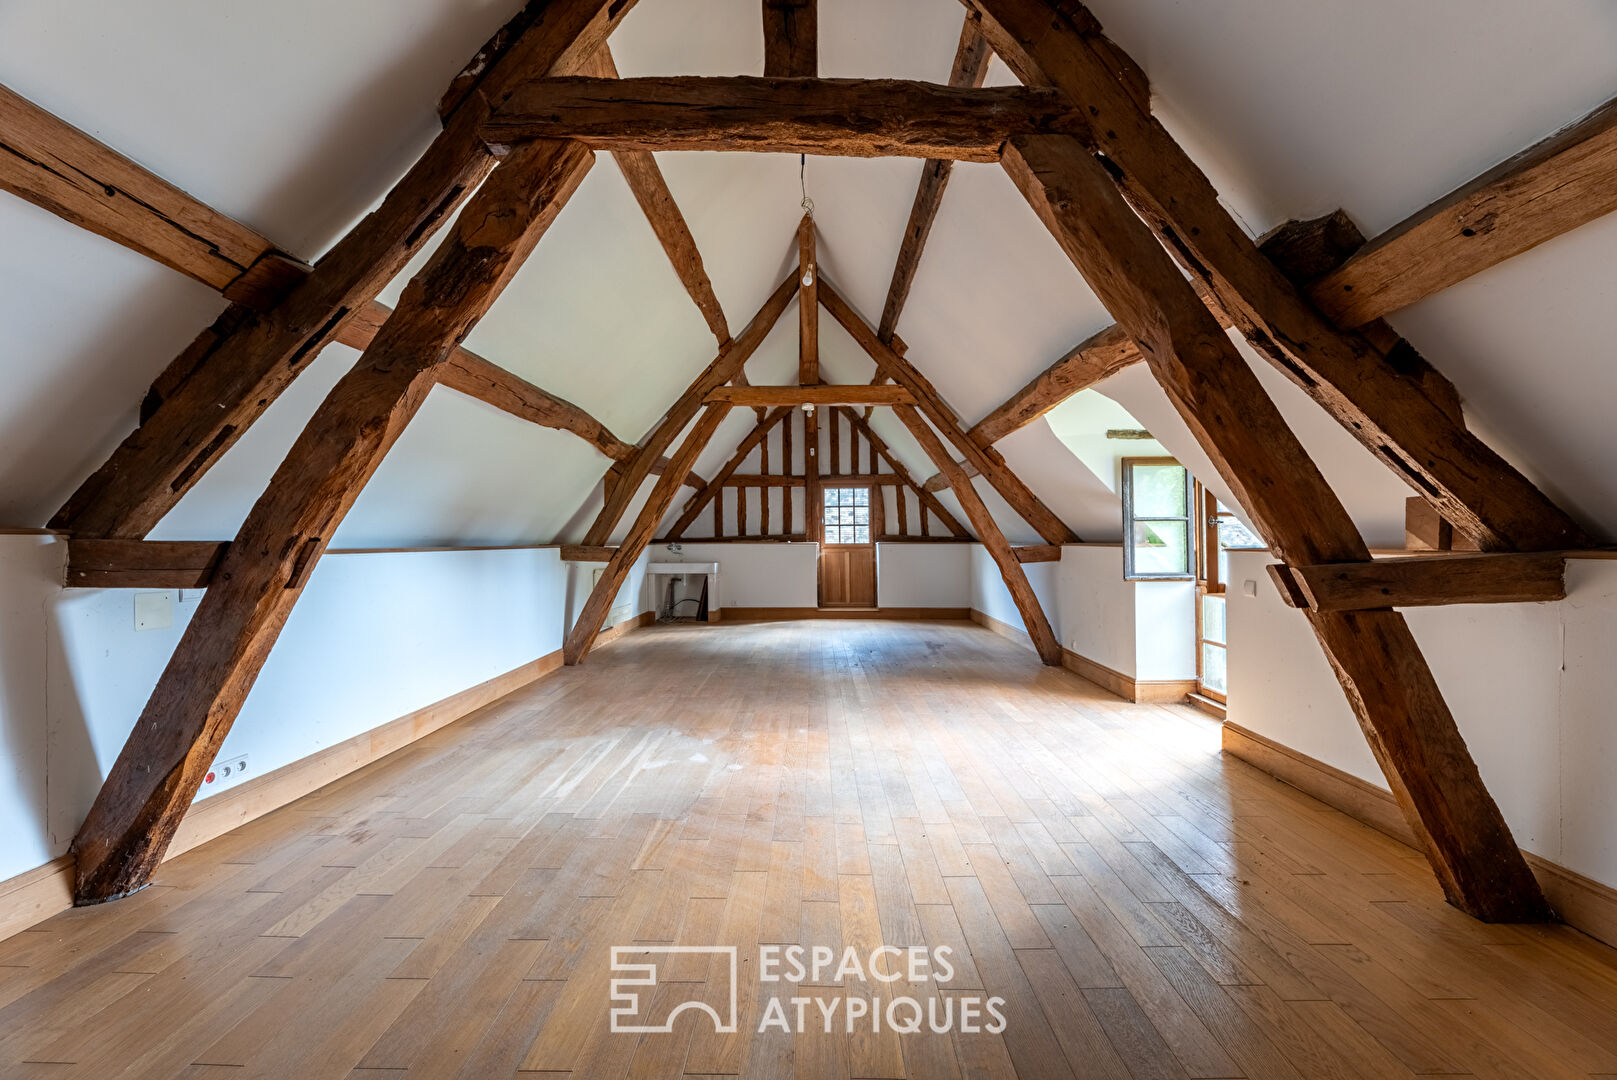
(791, 39)
(822, 395)
(1565, 181)
(588, 624)
(144, 564)
(225, 380)
(263, 572)
(645, 180)
(1038, 627)
(59, 168)
(1382, 396)
(844, 117)
(928, 501)
(1095, 358)
(1422, 581)
(1376, 658)
(753, 440)
(970, 69)
(632, 474)
(987, 462)
(1562, 182)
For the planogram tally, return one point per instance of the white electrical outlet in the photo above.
(226, 771)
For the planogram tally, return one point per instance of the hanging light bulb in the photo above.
(808, 276)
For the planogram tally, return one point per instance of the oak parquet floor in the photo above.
(1144, 906)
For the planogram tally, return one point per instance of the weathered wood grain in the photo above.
(791, 39)
(1424, 581)
(263, 572)
(1381, 668)
(844, 117)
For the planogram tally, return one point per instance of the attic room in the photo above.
(698, 538)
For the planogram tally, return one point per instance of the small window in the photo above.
(847, 515)
(1156, 519)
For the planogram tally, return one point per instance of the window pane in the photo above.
(861, 516)
(861, 496)
(1232, 534)
(1159, 490)
(833, 516)
(861, 534)
(1213, 667)
(1161, 547)
(1213, 618)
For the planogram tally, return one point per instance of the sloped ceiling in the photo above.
(296, 117)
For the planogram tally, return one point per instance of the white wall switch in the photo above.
(191, 596)
(154, 610)
(1249, 587)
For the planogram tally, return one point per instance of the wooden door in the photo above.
(848, 553)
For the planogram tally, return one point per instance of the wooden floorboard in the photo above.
(1143, 905)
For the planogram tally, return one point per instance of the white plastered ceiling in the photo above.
(296, 117)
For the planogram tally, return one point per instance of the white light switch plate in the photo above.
(1249, 587)
(154, 610)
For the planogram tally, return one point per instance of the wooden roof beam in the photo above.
(808, 304)
(263, 572)
(843, 117)
(59, 168)
(971, 62)
(791, 39)
(1383, 396)
(1560, 183)
(1425, 581)
(1374, 655)
(823, 395)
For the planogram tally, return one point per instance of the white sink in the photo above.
(682, 568)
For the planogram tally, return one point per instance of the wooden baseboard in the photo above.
(779, 614)
(37, 894)
(1127, 687)
(1581, 902)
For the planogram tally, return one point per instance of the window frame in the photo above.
(870, 496)
(1129, 520)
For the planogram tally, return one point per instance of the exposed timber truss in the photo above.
(1120, 196)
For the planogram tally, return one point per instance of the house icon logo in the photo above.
(635, 976)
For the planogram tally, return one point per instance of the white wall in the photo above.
(1531, 686)
(923, 575)
(374, 637)
(1143, 629)
(1095, 611)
